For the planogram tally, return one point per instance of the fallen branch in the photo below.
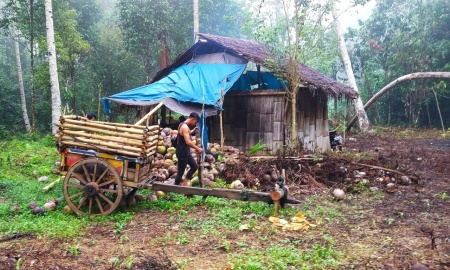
(49, 186)
(378, 167)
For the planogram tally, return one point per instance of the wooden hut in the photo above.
(260, 113)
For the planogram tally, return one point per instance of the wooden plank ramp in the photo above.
(234, 194)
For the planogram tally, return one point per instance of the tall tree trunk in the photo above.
(56, 99)
(33, 93)
(196, 21)
(359, 108)
(21, 86)
(409, 77)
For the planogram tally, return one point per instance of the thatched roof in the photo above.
(258, 53)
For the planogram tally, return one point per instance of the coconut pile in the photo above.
(215, 162)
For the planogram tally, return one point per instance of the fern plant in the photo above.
(258, 147)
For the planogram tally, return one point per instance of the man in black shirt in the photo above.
(183, 151)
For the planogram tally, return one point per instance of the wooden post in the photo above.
(222, 139)
(276, 196)
(149, 114)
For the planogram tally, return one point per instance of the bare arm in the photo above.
(185, 132)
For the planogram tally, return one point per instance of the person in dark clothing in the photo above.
(90, 116)
(183, 150)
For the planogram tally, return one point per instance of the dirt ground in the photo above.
(403, 223)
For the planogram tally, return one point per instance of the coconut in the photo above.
(209, 158)
(339, 194)
(170, 181)
(32, 205)
(166, 130)
(160, 194)
(38, 211)
(231, 162)
(172, 170)
(167, 144)
(405, 180)
(159, 164)
(214, 172)
(195, 181)
(161, 142)
(152, 197)
(14, 207)
(266, 178)
(131, 201)
(50, 205)
(67, 210)
(161, 149)
(215, 154)
(43, 179)
(165, 172)
(207, 182)
(273, 176)
(207, 165)
(161, 177)
(237, 184)
(171, 150)
(138, 197)
(221, 167)
(123, 202)
(168, 163)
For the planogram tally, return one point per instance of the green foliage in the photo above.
(259, 146)
(399, 39)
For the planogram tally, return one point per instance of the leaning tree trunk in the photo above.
(53, 68)
(409, 77)
(359, 108)
(21, 86)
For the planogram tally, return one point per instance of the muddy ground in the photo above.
(403, 223)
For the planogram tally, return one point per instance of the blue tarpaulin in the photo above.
(249, 81)
(191, 82)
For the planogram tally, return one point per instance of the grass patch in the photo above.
(23, 160)
(285, 256)
(231, 225)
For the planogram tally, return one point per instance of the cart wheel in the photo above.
(92, 186)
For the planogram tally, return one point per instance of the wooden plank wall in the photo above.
(251, 117)
(312, 115)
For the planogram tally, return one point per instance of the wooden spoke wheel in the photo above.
(92, 186)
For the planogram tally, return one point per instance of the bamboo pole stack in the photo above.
(112, 138)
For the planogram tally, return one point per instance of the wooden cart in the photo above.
(103, 165)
